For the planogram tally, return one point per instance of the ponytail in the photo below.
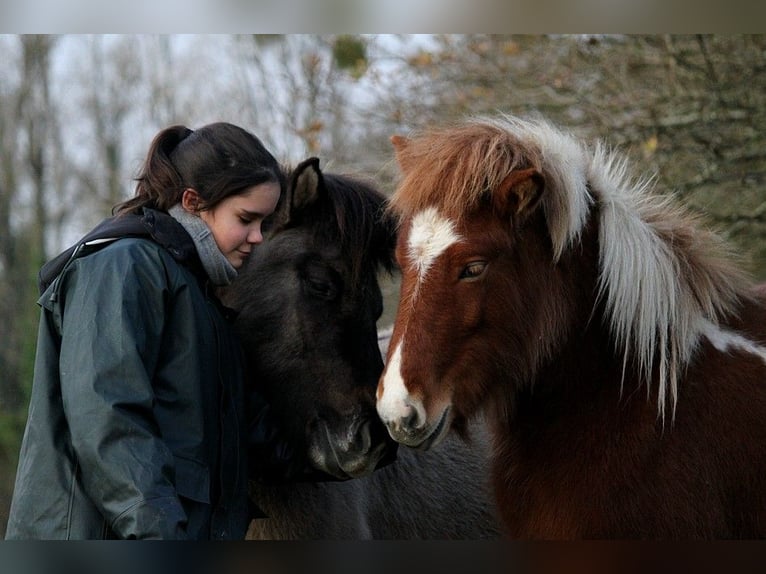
(159, 185)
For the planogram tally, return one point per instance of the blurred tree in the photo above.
(112, 83)
(28, 125)
(28, 129)
(311, 95)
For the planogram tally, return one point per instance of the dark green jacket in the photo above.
(135, 425)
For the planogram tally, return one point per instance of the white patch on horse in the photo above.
(725, 340)
(395, 403)
(430, 236)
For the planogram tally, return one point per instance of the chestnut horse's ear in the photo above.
(519, 193)
(400, 144)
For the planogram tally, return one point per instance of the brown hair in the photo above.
(217, 160)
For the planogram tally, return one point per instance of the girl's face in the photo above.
(236, 221)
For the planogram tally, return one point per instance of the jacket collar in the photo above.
(166, 231)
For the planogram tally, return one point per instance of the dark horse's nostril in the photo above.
(364, 436)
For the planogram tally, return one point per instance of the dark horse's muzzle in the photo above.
(353, 449)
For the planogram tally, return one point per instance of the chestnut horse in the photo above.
(616, 348)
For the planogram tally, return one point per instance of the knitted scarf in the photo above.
(217, 267)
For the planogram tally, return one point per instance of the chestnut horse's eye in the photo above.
(473, 270)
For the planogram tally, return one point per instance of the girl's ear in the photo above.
(191, 201)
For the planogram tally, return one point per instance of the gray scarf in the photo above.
(217, 267)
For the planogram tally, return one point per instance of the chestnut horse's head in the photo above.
(514, 238)
(464, 279)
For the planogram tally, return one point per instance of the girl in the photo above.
(136, 423)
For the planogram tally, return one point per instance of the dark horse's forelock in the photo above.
(366, 229)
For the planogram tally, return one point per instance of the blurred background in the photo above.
(77, 114)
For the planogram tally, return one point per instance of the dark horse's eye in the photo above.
(320, 280)
(321, 288)
(473, 270)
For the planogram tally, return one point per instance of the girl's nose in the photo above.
(255, 236)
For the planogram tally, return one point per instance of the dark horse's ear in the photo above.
(304, 185)
(519, 193)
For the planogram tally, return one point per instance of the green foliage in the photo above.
(11, 430)
(267, 39)
(350, 54)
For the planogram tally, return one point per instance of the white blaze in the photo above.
(395, 403)
(392, 404)
(430, 236)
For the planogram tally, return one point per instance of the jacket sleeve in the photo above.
(113, 317)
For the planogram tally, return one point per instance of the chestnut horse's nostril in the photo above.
(411, 420)
(408, 422)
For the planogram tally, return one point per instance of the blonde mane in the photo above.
(664, 280)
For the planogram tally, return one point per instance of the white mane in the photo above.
(660, 295)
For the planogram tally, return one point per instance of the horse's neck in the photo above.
(584, 370)
(570, 425)
(583, 360)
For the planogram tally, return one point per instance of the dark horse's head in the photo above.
(308, 301)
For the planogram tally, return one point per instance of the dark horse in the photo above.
(617, 350)
(308, 302)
